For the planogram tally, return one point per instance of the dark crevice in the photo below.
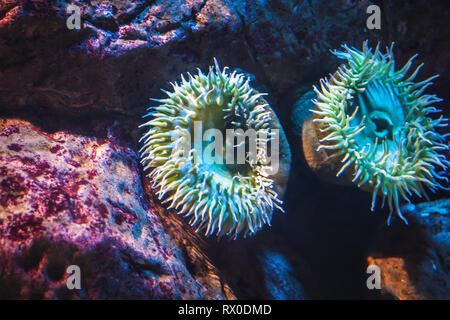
(194, 12)
(127, 18)
(166, 26)
(113, 24)
(141, 264)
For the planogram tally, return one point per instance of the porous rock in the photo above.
(73, 200)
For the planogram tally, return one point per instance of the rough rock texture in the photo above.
(71, 200)
(127, 50)
(415, 259)
(279, 277)
(264, 267)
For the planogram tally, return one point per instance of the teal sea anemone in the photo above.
(374, 122)
(218, 197)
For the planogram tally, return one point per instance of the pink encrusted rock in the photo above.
(72, 200)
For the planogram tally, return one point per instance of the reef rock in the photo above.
(414, 259)
(265, 267)
(125, 50)
(279, 277)
(66, 200)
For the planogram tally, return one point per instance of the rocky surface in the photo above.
(264, 267)
(72, 200)
(414, 260)
(127, 50)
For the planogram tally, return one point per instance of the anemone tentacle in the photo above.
(378, 121)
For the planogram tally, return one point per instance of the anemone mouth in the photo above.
(380, 108)
(220, 197)
(380, 126)
(376, 120)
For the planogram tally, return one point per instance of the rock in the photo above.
(414, 260)
(74, 200)
(279, 277)
(264, 267)
(127, 50)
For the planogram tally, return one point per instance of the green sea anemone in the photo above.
(372, 126)
(220, 197)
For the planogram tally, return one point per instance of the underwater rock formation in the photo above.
(279, 280)
(414, 260)
(71, 200)
(127, 50)
(265, 267)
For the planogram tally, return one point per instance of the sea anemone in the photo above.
(372, 127)
(220, 197)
